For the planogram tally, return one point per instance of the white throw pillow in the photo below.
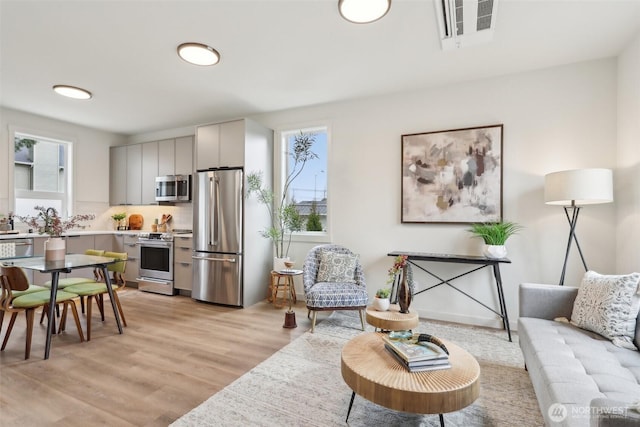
(608, 305)
(336, 267)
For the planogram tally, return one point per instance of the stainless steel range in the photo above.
(156, 263)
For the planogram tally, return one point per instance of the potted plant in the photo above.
(494, 235)
(118, 217)
(47, 221)
(381, 301)
(285, 218)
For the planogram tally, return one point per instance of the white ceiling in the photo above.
(276, 54)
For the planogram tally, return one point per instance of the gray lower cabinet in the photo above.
(182, 266)
(78, 245)
(127, 242)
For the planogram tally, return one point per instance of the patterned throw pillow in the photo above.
(608, 305)
(335, 267)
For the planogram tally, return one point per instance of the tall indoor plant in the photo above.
(285, 218)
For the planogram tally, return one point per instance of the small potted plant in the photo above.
(118, 219)
(381, 301)
(495, 236)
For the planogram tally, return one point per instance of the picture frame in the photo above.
(452, 176)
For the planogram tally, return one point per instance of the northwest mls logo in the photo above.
(557, 412)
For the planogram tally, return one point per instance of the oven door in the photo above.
(156, 260)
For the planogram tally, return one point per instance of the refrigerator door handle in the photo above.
(214, 259)
(214, 207)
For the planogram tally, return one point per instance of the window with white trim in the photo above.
(41, 174)
(308, 191)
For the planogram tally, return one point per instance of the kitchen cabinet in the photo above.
(182, 263)
(78, 245)
(220, 145)
(133, 168)
(184, 155)
(125, 175)
(127, 242)
(150, 156)
(104, 242)
(166, 156)
(118, 175)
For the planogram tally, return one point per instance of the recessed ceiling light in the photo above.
(72, 92)
(198, 54)
(363, 11)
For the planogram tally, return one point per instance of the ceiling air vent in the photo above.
(465, 22)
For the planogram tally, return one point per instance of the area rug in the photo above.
(302, 385)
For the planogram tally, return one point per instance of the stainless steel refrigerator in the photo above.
(218, 236)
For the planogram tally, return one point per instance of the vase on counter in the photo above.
(54, 249)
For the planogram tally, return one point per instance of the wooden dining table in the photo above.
(70, 262)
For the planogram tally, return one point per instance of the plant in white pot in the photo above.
(495, 236)
(285, 218)
(381, 301)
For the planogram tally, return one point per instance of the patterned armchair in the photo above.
(333, 280)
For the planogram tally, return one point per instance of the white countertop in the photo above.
(70, 233)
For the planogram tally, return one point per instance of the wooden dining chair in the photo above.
(13, 281)
(97, 290)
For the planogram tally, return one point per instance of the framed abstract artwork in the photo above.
(452, 176)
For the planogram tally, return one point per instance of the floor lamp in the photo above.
(573, 189)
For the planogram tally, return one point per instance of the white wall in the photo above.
(627, 196)
(90, 162)
(554, 119)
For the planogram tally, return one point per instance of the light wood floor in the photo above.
(174, 354)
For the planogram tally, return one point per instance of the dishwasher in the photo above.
(16, 248)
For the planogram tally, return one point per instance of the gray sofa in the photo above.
(580, 378)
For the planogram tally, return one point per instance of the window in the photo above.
(40, 174)
(308, 191)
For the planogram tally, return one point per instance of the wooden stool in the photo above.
(282, 286)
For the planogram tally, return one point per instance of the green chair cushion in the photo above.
(86, 289)
(36, 299)
(69, 281)
(31, 289)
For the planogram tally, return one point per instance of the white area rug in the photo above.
(301, 385)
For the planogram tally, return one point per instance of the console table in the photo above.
(480, 261)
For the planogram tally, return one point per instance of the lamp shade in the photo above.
(578, 187)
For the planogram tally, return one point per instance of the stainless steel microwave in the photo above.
(173, 188)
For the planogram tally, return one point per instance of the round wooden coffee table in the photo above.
(370, 371)
(392, 319)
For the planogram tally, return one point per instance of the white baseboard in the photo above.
(467, 320)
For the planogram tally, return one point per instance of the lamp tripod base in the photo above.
(290, 320)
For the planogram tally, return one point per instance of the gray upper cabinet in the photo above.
(184, 155)
(118, 175)
(134, 168)
(125, 175)
(220, 145)
(166, 157)
(134, 174)
(149, 172)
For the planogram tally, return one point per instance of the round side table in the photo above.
(282, 282)
(392, 319)
(371, 372)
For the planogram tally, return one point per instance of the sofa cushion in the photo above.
(572, 366)
(335, 267)
(608, 305)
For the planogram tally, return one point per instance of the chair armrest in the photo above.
(612, 413)
(544, 301)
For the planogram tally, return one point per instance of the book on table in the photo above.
(411, 351)
(426, 365)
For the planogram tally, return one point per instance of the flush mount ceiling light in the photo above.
(72, 92)
(198, 54)
(363, 11)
